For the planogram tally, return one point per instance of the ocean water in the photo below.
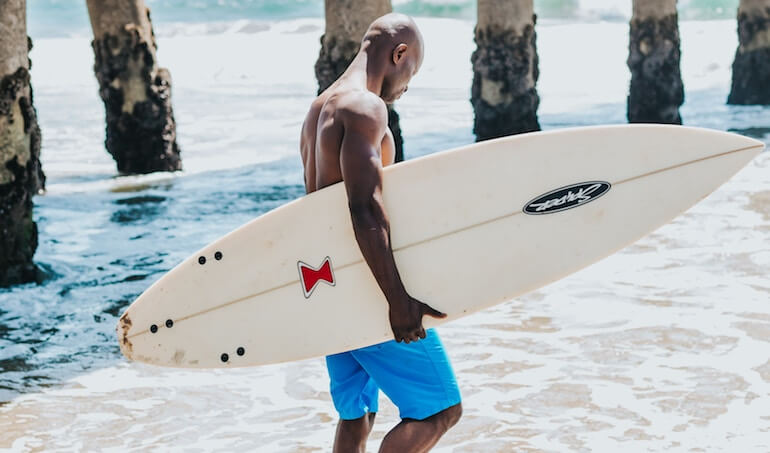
(56, 18)
(661, 347)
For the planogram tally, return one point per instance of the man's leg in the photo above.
(352, 434)
(419, 379)
(419, 436)
(354, 395)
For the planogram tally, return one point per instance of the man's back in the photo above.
(339, 106)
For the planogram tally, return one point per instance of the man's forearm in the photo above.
(372, 231)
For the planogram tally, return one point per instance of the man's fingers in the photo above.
(411, 337)
(430, 311)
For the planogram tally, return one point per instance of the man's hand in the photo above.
(406, 318)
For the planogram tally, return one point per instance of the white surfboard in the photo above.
(470, 228)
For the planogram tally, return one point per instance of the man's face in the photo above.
(406, 66)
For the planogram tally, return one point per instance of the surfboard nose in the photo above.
(725, 139)
(753, 142)
(742, 141)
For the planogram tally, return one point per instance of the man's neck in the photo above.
(363, 71)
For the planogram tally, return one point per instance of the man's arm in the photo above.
(360, 162)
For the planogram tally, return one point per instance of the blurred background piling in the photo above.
(21, 175)
(656, 90)
(751, 69)
(141, 133)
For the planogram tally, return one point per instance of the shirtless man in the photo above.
(345, 137)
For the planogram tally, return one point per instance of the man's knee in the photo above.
(452, 415)
(352, 434)
(356, 425)
(358, 428)
(448, 417)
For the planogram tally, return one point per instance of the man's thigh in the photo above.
(417, 377)
(353, 391)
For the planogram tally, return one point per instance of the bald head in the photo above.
(395, 46)
(394, 27)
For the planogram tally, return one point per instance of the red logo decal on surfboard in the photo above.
(310, 276)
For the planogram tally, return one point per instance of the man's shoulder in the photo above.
(361, 107)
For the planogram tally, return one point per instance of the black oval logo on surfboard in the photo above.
(567, 197)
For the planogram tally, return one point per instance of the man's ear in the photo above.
(399, 52)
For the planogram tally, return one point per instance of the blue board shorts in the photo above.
(417, 377)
